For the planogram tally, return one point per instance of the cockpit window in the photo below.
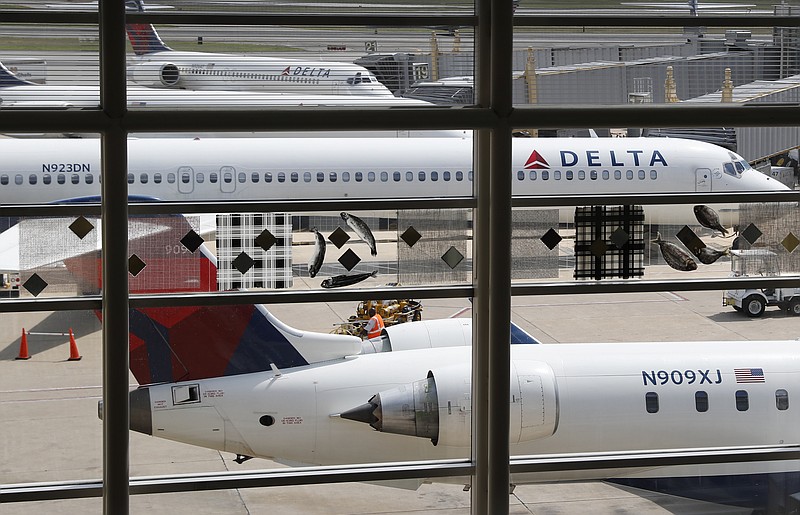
(729, 169)
(739, 166)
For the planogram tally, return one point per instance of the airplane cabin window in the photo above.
(76, 179)
(742, 400)
(653, 174)
(332, 176)
(345, 176)
(255, 177)
(306, 176)
(533, 175)
(593, 175)
(227, 177)
(642, 175)
(18, 180)
(4, 179)
(61, 179)
(186, 177)
(409, 176)
(281, 177)
(320, 176)
(434, 176)
(242, 177)
(421, 176)
(606, 175)
(384, 176)
(782, 399)
(460, 176)
(521, 175)
(629, 175)
(651, 402)
(617, 174)
(359, 176)
(581, 175)
(701, 401)
(545, 175)
(267, 176)
(396, 176)
(213, 177)
(556, 175)
(32, 179)
(446, 176)
(46, 178)
(130, 178)
(143, 178)
(569, 175)
(157, 178)
(171, 178)
(199, 177)
(88, 179)
(371, 176)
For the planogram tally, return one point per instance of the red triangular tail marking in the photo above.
(536, 161)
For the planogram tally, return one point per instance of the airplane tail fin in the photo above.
(169, 344)
(143, 36)
(7, 78)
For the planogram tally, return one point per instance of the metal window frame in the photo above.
(493, 116)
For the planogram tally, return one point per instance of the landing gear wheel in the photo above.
(794, 307)
(754, 306)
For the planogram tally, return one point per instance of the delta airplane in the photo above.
(19, 93)
(157, 65)
(196, 169)
(236, 379)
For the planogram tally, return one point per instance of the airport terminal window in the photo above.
(742, 400)
(701, 401)
(32, 179)
(782, 399)
(651, 402)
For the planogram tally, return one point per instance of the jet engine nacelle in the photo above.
(158, 75)
(426, 334)
(439, 407)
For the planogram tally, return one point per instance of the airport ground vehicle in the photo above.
(751, 301)
(392, 311)
(9, 284)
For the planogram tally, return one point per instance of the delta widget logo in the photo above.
(536, 162)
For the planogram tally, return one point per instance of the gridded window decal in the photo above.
(609, 242)
(772, 226)
(254, 250)
(439, 231)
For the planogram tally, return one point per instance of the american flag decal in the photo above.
(749, 375)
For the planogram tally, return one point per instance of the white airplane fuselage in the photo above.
(199, 169)
(200, 70)
(578, 398)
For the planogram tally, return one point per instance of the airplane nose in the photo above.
(141, 414)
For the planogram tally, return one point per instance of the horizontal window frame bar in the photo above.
(144, 120)
(53, 16)
(518, 289)
(266, 478)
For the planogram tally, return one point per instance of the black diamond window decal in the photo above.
(349, 259)
(35, 285)
(790, 242)
(135, 265)
(266, 240)
(339, 237)
(551, 239)
(751, 234)
(192, 241)
(620, 237)
(81, 227)
(243, 263)
(598, 247)
(452, 257)
(410, 236)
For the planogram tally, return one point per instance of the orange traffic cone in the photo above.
(73, 348)
(23, 347)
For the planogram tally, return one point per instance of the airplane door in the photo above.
(227, 179)
(185, 179)
(702, 179)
